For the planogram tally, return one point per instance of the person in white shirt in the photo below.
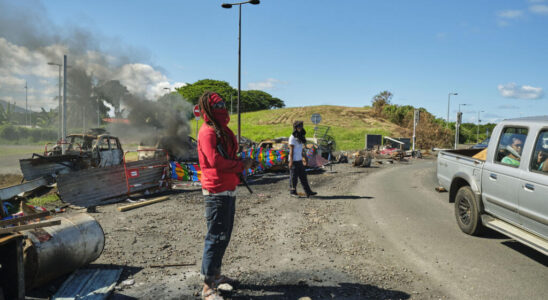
(297, 161)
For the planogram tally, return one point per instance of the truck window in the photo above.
(510, 146)
(539, 161)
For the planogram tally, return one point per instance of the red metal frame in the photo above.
(128, 176)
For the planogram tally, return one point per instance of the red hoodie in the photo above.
(218, 173)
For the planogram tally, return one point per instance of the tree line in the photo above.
(432, 130)
(251, 100)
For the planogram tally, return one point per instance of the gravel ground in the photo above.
(282, 247)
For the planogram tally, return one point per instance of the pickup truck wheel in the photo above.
(467, 211)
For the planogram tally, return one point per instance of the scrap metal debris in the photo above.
(98, 186)
(94, 284)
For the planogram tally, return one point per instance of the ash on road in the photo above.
(282, 247)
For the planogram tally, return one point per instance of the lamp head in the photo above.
(226, 5)
(255, 2)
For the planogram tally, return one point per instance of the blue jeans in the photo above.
(219, 213)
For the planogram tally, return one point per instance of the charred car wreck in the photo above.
(95, 149)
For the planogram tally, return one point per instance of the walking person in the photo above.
(220, 176)
(297, 161)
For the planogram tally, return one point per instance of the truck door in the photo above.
(501, 176)
(533, 192)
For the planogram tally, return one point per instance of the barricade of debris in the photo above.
(39, 246)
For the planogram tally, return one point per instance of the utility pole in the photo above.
(416, 119)
(26, 104)
(457, 128)
(59, 131)
(449, 105)
(479, 121)
(99, 113)
(84, 120)
(64, 128)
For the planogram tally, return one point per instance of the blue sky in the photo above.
(493, 53)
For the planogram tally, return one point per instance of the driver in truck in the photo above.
(513, 158)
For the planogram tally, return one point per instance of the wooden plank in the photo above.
(139, 204)
(29, 226)
(24, 218)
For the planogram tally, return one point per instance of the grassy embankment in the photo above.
(348, 124)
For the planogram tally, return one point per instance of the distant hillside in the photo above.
(349, 125)
(17, 108)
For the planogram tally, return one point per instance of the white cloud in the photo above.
(7, 81)
(18, 64)
(143, 79)
(512, 90)
(268, 84)
(541, 9)
(510, 14)
(17, 60)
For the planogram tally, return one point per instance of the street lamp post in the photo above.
(26, 104)
(59, 133)
(449, 104)
(457, 125)
(229, 5)
(479, 120)
(64, 123)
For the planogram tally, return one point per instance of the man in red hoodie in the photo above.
(220, 176)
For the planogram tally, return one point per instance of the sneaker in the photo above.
(295, 195)
(311, 194)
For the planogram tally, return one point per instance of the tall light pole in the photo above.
(64, 128)
(457, 125)
(229, 5)
(59, 133)
(449, 104)
(462, 104)
(26, 104)
(479, 120)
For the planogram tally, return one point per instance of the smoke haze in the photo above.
(99, 73)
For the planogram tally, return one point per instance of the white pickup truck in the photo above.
(506, 188)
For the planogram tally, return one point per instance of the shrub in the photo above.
(8, 132)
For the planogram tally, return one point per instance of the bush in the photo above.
(16, 133)
(8, 132)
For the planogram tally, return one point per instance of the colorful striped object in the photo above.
(266, 158)
(185, 172)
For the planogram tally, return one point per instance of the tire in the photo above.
(467, 212)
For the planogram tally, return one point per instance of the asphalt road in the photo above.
(416, 225)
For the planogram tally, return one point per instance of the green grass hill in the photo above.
(348, 124)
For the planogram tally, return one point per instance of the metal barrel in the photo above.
(54, 251)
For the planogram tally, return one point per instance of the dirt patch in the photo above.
(282, 247)
(9, 180)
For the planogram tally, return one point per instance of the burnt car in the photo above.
(82, 151)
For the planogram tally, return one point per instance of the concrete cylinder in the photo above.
(54, 251)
